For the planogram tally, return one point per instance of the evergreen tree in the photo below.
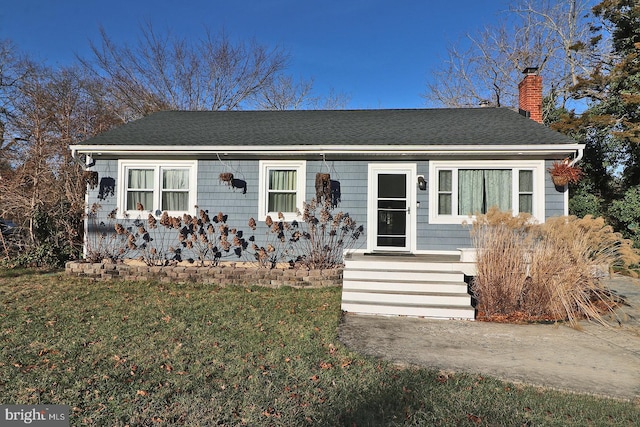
(610, 127)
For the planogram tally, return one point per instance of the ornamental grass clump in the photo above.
(501, 241)
(545, 272)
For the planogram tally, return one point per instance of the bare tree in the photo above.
(284, 93)
(552, 35)
(44, 187)
(13, 70)
(162, 71)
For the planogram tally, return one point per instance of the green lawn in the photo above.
(125, 353)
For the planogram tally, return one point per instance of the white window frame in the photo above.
(537, 166)
(157, 167)
(301, 180)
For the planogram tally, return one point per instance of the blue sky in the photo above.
(379, 52)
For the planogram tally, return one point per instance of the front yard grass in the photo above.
(127, 353)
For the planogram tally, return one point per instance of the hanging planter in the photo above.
(323, 186)
(562, 173)
(559, 180)
(226, 177)
(91, 178)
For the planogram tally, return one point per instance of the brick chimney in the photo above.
(530, 92)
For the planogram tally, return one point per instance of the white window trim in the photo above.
(301, 184)
(537, 166)
(157, 166)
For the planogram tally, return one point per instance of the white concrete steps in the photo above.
(383, 286)
(398, 263)
(413, 275)
(405, 286)
(405, 298)
(431, 312)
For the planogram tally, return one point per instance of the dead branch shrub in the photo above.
(210, 238)
(162, 241)
(551, 271)
(316, 242)
(325, 235)
(105, 241)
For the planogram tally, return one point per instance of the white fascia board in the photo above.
(316, 149)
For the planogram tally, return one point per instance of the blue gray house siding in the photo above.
(554, 198)
(239, 205)
(352, 175)
(106, 192)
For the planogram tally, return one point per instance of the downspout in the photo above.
(85, 237)
(85, 165)
(579, 155)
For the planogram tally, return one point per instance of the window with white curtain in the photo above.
(282, 188)
(481, 189)
(465, 188)
(156, 187)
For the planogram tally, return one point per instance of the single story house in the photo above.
(410, 177)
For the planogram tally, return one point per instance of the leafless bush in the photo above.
(277, 247)
(102, 241)
(325, 235)
(316, 242)
(549, 271)
(209, 239)
(161, 241)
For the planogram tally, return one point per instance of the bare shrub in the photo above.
(277, 247)
(325, 235)
(103, 242)
(166, 240)
(208, 238)
(549, 271)
(156, 245)
(316, 242)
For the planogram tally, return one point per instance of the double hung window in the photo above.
(157, 186)
(282, 188)
(463, 189)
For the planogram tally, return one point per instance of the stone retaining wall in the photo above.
(228, 274)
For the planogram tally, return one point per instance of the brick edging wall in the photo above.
(220, 275)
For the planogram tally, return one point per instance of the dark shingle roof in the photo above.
(460, 126)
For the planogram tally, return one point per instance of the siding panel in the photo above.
(216, 196)
(554, 198)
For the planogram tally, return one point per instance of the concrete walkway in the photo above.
(597, 360)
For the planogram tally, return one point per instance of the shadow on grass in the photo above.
(7, 273)
(398, 396)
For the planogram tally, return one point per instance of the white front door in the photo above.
(391, 201)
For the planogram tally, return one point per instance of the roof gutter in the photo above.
(315, 149)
